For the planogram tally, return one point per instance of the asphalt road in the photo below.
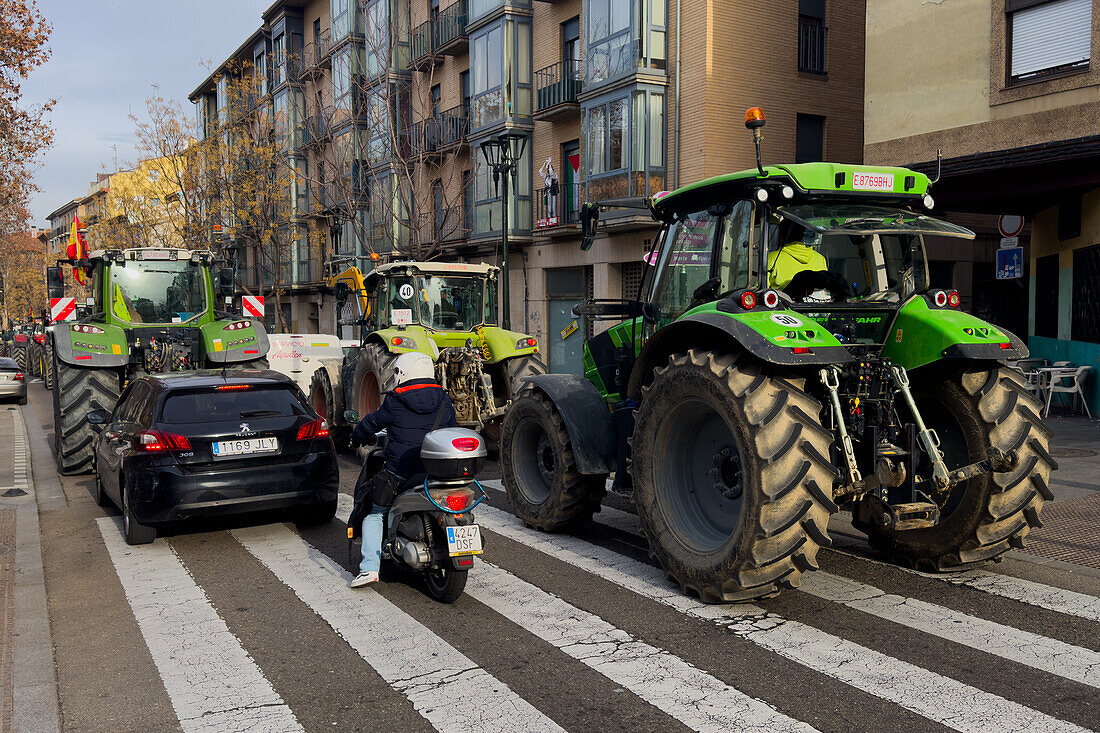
(251, 627)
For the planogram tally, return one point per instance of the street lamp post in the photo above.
(502, 155)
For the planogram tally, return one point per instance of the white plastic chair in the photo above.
(1067, 382)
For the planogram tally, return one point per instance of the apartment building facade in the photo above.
(615, 98)
(1009, 91)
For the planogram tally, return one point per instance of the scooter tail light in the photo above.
(457, 502)
(466, 444)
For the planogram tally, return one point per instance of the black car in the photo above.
(197, 444)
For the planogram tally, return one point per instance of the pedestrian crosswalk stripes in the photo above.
(1033, 650)
(939, 698)
(452, 689)
(212, 682)
(444, 686)
(688, 694)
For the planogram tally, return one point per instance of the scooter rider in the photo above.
(416, 406)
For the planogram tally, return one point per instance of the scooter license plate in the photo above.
(464, 540)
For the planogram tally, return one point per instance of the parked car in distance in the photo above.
(13, 383)
(298, 355)
(187, 445)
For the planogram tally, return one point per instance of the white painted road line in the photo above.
(444, 686)
(211, 680)
(1049, 655)
(936, 697)
(695, 698)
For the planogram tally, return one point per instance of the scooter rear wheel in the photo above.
(446, 584)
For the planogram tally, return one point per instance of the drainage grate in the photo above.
(1070, 532)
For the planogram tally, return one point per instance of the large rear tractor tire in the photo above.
(34, 360)
(47, 367)
(985, 517)
(78, 392)
(540, 472)
(732, 479)
(21, 358)
(373, 377)
(328, 402)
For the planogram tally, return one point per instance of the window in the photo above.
(1047, 38)
(571, 40)
(259, 71)
(278, 70)
(343, 13)
(685, 266)
(809, 139)
(1046, 296)
(487, 196)
(1086, 295)
(811, 36)
(624, 35)
(208, 405)
(626, 145)
(481, 8)
(501, 62)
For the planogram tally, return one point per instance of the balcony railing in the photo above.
(440, 133)
(445, 34)
(811, 45)
(555, 209)
(443, 225)
(423, 43)
(557, 84)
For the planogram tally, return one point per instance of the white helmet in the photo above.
(413, 365)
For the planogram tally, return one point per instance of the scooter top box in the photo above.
(452, 453)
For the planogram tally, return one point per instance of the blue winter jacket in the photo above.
(408, 414)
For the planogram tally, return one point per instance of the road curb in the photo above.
(34, 677)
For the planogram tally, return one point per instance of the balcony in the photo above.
(445, 35)
(315, 57)
(443, 226)
(440, 134)
(556, 90)
(560, 212)
(318, 127)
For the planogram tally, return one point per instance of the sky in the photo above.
(107, 57)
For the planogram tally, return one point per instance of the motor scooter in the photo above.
(430, 527)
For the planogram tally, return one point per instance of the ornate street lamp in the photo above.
(502, 154)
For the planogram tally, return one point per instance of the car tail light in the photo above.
(748, 300)
(953, 299)
(158, 441)
(233, 387)
(457, 502)
(771, 299)
(466, 444)
(940, 298)
(313, 429)
(19, 376)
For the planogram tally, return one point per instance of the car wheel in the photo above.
(134, 532)
(100, 496)
(322, 513)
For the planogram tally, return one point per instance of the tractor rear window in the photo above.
(212, 405)
(856, 219)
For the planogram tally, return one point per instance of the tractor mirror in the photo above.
(225, 282)
(351, 416)
(55, 282)
(590, 218)
(342, 292)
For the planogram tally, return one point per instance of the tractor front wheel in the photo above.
(982, 518)
(373, 374)
(540, 473)
(732, 479)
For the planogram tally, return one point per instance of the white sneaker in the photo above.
(363, 579)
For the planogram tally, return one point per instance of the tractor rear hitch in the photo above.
(901, 517)
(996, 461)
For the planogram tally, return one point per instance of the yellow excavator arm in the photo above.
(353, 278)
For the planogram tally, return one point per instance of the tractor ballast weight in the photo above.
(787, 356)
(153, 311)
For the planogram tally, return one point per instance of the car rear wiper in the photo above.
(260, 413)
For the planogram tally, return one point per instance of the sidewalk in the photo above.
(28, 683)
(1071, 523)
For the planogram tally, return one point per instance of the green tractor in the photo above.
(787, 357)
(154, 311)
(447, 310)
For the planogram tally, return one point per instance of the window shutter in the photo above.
(1051, 35)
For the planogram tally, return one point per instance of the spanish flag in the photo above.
(76, 249)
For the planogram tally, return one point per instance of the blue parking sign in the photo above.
(1010, 263)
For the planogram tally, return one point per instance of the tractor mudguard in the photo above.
(406, 341)
(503, 344)
(107, 348)
(227, 342)
(712, 329)
(587, 420)
(921, 335)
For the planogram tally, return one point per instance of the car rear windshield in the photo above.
(215, 405)
(9, 364)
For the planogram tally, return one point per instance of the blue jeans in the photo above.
(372, 539)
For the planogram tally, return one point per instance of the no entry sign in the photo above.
(62, 309)
(253, 305)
